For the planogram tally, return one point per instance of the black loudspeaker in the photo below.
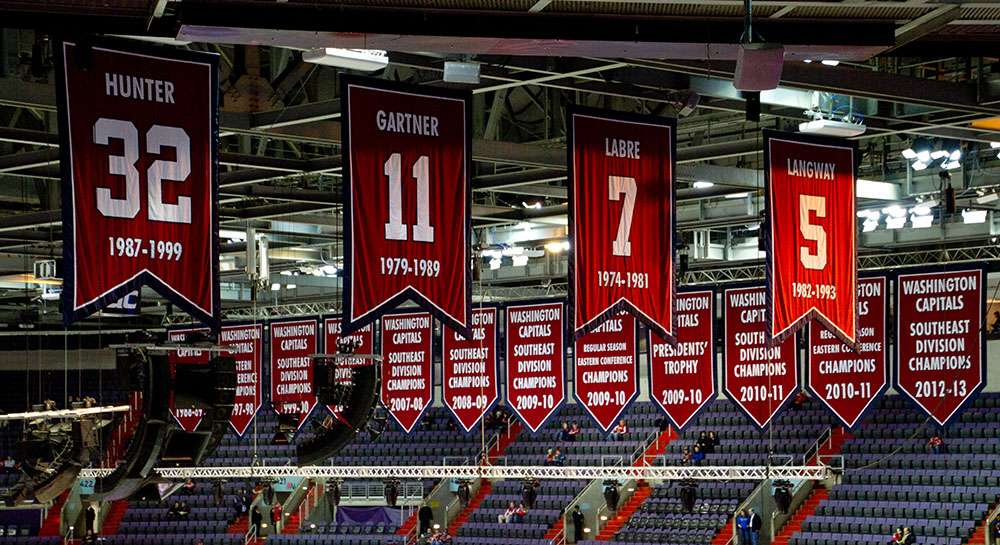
(148, 492)
(211, 388)
(357, 404)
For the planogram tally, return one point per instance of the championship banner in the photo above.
(293, 343)
(244, 344)
(606, 370)
(188, 418)
(682, 377)
(849, 382)
(812, 252)
(469, 366)
(138, 134)
(759, 378)
(621, 218)
(365, 339)
(407, 195)
(941, 340)
(407, 366)
(536, 357)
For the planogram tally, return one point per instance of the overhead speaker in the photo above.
(211, 388)
(758, 66)
(357, 406)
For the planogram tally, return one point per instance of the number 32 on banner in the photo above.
(157, 137)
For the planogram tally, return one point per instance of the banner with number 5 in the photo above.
(621, 218)
(407, 224)
(138, 132)
(812, 239)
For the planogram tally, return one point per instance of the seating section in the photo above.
(891, 480)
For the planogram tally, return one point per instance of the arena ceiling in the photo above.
(906, 70)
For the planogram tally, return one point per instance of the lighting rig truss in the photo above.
(672, 473)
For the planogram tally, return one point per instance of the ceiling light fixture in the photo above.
(364, 60)
(970, 215)
(700, 184)
(921, 222)
(895, 223)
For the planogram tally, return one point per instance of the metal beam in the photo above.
(927, 23)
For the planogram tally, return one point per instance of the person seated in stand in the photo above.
(908, 538)
(800, 400)
(560, 458)
(504, 517)
(995, 328)
(574, 430)
(550, 457)
(662, 424)
(519, 514)
(686, 456)
(697, 456)
(897, 537)
(183, 511)
(713, 439)
(620, 431)
(174, 512)
(702, 441)
(564, 433)
(935, 444)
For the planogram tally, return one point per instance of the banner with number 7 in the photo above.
(407, 195)
(622, 218)
(810, 229)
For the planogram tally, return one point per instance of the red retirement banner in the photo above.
(849, 382)
(470, 368)
(940, 340)
(244, 343)
(606, 370)
(759, 378)
(682, 377)
(407, 366)
(621, 218)
(138, 133)
(812, 254)
(365, 337)
(406, 200)
(188, 418)
(293, 343)
(536, 356)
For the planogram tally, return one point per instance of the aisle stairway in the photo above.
(625, 511)
(804, 511)
(115, 515)
(50, 527)
(485, 488)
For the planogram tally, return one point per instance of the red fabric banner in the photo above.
(850, 382)
(138, 133)
(406, 201)
(759, 378)
(469, 367)
(606, 370)
(941, 340)
(812, 255)
(365, 337)
(244, 344)
(621, 218)
(188, 418)
(682, 377)
(407, 366)
(536, 357)
(293, 343)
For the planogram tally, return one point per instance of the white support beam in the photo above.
(64, 413)
(704, 473)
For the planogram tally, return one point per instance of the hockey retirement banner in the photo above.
(941, 340)
(245, 346)
(850, 382)
(812, 246)
(293, 342)
(407, 201)
(536, 359)
(138, 134)
(682, 377)
(365, 339)
(188, 418)
(759, 378)
(621, 218)
(469, 367)
(407, 366)
(606, 370)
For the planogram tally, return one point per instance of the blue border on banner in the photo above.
(623, 304)
(506, 394)
(409, 293)
(715, 362)
(983, 363)
(144, 277)
(496, 370)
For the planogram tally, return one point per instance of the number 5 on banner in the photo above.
(396, 229)
(618, 185)
(812, 232)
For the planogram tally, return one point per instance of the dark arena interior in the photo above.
(499, 272)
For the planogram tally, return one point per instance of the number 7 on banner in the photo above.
(812, 252)
(406, 201)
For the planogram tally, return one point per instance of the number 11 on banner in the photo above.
(406, 201)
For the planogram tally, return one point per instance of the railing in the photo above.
(68, 536)
(251, 535)
(639, 454)
(832, 461)
(990, 519)
(825, 438)
(310, 502)
(122, 433)
(615, 459)
(375, 491)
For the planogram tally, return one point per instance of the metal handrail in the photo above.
(825, 437)
(836, 461)
(990, 538)
(251, 535)
(618, 460)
